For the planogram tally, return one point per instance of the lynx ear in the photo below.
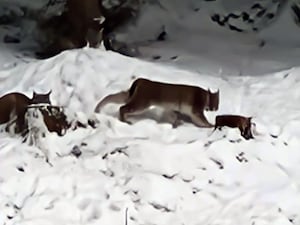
(217, 92)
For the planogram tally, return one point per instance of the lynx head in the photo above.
(41, 98)
(248, 122)
(246, 133)
(213, 104)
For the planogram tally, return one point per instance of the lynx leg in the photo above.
(199, 119)
(246, 133)
(20, 123)
(174, 118)
(131, 109)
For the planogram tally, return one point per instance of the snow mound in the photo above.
(159, 174)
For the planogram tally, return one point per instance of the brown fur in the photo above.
(235, 121)
(15, 104)
(55, 120)
(185, 99)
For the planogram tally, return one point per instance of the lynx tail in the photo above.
(117, 98)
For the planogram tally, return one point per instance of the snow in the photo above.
(161, 175)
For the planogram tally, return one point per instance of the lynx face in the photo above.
(246, 131)
(213, 104)
(41, 98)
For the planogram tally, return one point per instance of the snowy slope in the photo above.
(200, 41)
(158, 174)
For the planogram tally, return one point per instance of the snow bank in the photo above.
(160, 175)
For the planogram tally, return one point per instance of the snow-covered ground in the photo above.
(149, 172)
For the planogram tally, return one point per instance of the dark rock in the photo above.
(76, 151)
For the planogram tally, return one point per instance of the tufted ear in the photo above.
(49, 92)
